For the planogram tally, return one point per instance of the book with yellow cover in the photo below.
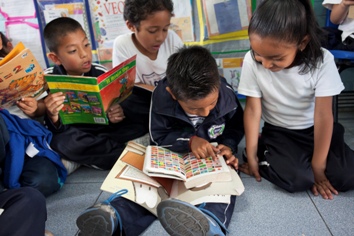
(20, 76)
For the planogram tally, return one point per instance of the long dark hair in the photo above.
(290, 21)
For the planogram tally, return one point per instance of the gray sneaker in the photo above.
(101, 219)
(183, 219)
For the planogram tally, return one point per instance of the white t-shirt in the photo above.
(347, 26)
(147, 71)
(287, 97)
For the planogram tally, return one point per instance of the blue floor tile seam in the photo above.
(309, 192)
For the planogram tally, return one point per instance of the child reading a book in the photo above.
(93, 145)
(289, 81)
(190, 108)
(152, 42)
(26, 164)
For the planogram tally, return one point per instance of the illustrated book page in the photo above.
(88, 98)
(149, 191)
(161, 162)
(20, 76)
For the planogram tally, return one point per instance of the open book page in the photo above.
(142, 189)
(113, 183)
(20, 76)
(202, 171)
(162, 162)
(133, 174)
(88, 98)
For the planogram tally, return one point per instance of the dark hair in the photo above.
(5, 41)
(137, 10)
(290, 21)
(55, 30)
(192, 73)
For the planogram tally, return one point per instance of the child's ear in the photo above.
(169, 91)
(304, 42)
(54, 58)
(130, 26)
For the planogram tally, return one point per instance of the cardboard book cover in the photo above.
(88, 98)
(20, 76)
(127, 173)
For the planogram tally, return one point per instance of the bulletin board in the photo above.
(21, 25)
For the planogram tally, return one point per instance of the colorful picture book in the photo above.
(127, 173)
(161, 162)
(88, 98)
(20, 76)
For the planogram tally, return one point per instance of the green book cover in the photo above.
(88, 98)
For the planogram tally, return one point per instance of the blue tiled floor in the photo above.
(262, 209)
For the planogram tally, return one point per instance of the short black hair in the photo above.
(5, 40)
(192, 73)
(137, 10)
(290, 21)
(55, 30)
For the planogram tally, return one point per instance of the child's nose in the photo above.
(267, 63)
(203, 112)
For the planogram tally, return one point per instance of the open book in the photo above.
(127, 173)
(88, 98)
(161, 162)
(20, 76)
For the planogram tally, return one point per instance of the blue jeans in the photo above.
(136, 219)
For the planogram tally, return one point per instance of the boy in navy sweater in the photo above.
(97, 146)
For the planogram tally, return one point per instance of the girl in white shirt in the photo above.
(289, 82)
(153, 43)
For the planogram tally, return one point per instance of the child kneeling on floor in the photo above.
(190, 108)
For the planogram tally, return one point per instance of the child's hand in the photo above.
(251, 168)
(115, 113)
(54, 103)
(322, 185)
(201, 148)
(28, 105)
(230, 158)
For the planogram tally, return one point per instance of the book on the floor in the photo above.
(20, 76)
(162, 162)
(127, 173)
(89, 98)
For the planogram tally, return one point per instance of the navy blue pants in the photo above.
(24, 212)
(136, 219)
(289, 154)
(98, 145)
(40, 173)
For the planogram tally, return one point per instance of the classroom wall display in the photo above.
(226, 18)
(230, 69)
(48, 10)
(21, 25)
(108, 21)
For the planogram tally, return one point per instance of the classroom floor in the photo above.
(262, 209)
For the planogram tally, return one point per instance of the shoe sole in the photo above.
(95, 222)
(182, 219)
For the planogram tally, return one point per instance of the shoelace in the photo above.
(108, 202)
(209, 213)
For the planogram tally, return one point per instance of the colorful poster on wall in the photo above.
(108, 21)
(230, 69)
(226, 16)
(182, 21)
(17, 10)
